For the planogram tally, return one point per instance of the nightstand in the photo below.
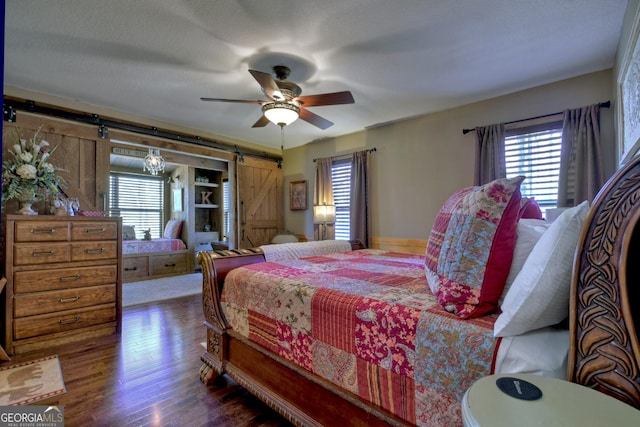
(562, 404)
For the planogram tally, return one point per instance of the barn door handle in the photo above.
(244, 212)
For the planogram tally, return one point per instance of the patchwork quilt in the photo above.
(367, 321)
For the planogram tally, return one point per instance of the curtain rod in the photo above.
(605, 104)
(370, 150)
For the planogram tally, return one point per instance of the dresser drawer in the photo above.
(135, 267)
(64, 278)
(89, 251)
(40, 253)
(41, 231)
(67, 299)
(94, 231)
(169, 264)
(51, 323)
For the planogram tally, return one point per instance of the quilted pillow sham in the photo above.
(470, 247)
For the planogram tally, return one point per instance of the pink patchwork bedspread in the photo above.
(155, 245)
(366, 321)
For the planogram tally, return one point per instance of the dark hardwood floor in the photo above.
(148, 376)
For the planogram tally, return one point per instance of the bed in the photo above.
(159, 257)
(301, 362)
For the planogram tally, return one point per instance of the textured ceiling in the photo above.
(156, 58)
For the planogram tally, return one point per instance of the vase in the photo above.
(26, 199)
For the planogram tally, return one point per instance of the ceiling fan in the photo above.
(285, 104)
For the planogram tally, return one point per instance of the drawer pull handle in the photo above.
(94, 230)
(43, 230)
(72, 299)
(69, 321)
(70, 278)
(130, 268)
(169, 265)
(94, 251)
(48, 253)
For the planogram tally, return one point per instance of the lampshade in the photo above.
(281, 113)
(323, 214)
(154, 162)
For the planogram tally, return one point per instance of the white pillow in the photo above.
(539, 296)
(528, 233)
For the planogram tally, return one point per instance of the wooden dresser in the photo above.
(64, 280)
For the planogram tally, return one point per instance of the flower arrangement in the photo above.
(29, 174)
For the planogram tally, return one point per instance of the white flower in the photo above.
(44, 143)
(48, 167)
(17, 148)
(25, 157)
(27, 172)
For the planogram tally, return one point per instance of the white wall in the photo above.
(419, 162)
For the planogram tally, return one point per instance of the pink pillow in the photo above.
(173, 229)
(470, 248)
(530, 209)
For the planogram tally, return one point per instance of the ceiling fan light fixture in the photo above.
(281, 113)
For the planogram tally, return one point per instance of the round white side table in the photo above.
(562, 404)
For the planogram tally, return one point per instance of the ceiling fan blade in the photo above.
(269, 85)
(262, 122)
(334, 98)
(315, 119)
(232, 100)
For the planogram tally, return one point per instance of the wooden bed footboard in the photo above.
(300, 396)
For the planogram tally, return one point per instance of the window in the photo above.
(534, 152)
(139, 200)
(341, 185)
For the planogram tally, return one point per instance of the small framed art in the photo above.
(298, 195)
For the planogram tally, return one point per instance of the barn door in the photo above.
(260, 201)
(82, 157)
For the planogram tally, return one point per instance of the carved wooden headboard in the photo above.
(605, 295)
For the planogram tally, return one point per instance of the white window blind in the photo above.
(225, 206)
(534, 152)
(139, 200)
(341, 185)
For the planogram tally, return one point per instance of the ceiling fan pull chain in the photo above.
(282, 138)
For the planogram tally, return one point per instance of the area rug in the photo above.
(165, 288)
(28, 382)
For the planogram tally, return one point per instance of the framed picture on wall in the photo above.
(298, 195)
(629, 97)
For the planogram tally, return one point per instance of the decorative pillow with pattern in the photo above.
(128, 232)
(470, 247)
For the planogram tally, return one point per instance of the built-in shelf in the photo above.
(206, 184)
